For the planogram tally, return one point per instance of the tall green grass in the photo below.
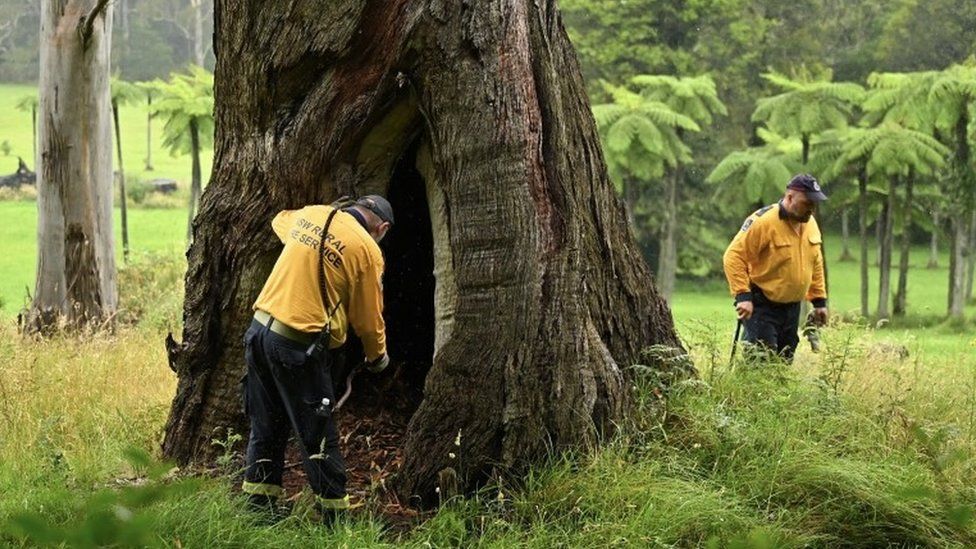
(859, 446)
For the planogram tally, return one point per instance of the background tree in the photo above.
(889, 152)
(758, 175)
(953, 94)
(491, 99)
(122, 93)
(76, 256)
(29, 103)
(696, 98)
(809, 105)
(642, 141)
(186, 102)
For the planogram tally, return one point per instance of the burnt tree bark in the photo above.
(75, 250)
(542, 298)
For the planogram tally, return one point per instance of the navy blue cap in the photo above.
(378, 205)
(808, 185)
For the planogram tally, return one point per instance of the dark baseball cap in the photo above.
(378, 205)
(808, 185)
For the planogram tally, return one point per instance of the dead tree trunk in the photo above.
(546, 299)
(76, 256)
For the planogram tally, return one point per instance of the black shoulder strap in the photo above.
(322, 286)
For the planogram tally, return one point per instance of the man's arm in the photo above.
(366, 309)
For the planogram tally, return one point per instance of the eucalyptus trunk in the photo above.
(885, 251)
(75, 251)
(901, 295)
(548, 299)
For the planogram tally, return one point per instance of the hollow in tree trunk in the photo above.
(75, 251)
(551, 298)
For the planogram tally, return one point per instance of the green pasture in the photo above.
(15, 129)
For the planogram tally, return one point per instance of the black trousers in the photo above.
(283, 390)
(773, 326)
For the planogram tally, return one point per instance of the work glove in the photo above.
(378, 365)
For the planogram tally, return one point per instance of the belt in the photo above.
(283, 329)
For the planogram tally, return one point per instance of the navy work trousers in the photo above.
(773, 325)
(283, 390)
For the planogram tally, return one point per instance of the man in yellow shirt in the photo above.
(774, 262)
(289, 383)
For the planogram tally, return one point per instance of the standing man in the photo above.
(774, 262)
(289, 378)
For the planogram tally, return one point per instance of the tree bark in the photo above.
(76, 259)
(862, 185)
(553, 299)
(884, 256)
(668, 257)
(122, 198)
(901, 295)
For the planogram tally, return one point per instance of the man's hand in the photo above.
(820, 316)
(744, 310)
(378, 365)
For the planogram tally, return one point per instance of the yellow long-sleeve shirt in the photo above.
(354, 273)
(786, 265)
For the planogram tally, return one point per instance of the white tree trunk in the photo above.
(76, 256)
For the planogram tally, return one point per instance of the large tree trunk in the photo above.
(668, 256)
(552, 300)
(884, 256)
(862, 186)
(75, 251)
(901, 294)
